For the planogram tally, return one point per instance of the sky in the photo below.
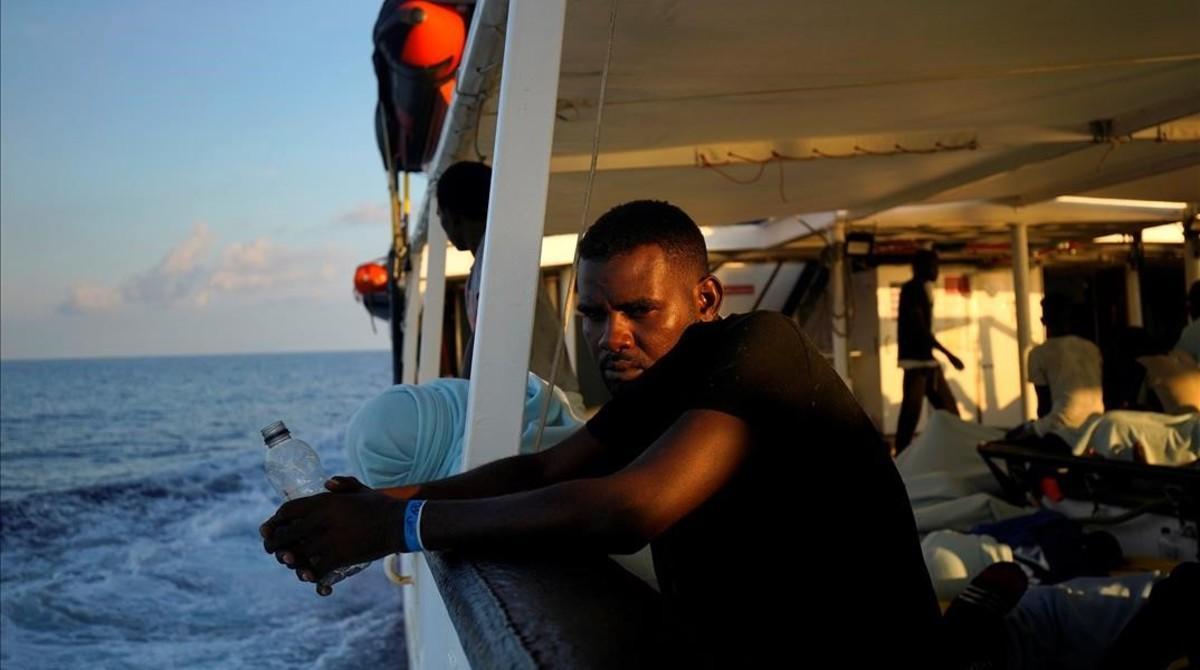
(187, 178)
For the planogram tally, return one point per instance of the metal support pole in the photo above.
(412, 318)
(396, 318)
(1020, 254)
(841, 335)
(1133, 284)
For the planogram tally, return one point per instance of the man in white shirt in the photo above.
(1066, 372)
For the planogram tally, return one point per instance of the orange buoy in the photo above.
(370, 278)
(437, 40)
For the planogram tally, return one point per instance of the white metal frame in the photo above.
(516, 212)
(434, 299)
(532, 45)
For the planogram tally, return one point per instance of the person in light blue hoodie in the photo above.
(413, 433)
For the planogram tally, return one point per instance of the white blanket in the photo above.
(965, 513)
(949, 485)
(948, 444)
(1145, 437)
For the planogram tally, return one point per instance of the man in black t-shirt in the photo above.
(923, 376)
(780, 529)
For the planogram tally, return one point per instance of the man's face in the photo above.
(459, 230)
(635, 306)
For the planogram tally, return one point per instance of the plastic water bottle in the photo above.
(295, 471)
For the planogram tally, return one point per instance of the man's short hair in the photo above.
(635, 224)
(1194, 298)
(463, 189)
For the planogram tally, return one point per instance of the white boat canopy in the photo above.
(743, 112)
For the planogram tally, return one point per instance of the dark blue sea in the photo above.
(131, 491)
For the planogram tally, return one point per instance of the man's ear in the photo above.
(709, 293)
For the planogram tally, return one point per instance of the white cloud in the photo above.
(365, 212)
(254, 254)
(266, 266)
(185, 257)
(189, 275)
(178, 276)
(90, 298)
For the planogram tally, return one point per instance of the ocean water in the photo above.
(131, 491)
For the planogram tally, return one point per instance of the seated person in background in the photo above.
(1189, 339)
(726, 445)
(1065, 370)
(462, 200)
(1172, 380)
(413, 433)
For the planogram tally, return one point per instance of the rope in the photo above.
(583, 223)
(399, 247)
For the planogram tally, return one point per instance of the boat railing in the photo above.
(556, 610)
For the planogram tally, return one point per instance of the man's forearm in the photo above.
(507, 475)
(938, 345)
(583, 513)
(616, 512)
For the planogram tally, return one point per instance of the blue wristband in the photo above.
(412, 525)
